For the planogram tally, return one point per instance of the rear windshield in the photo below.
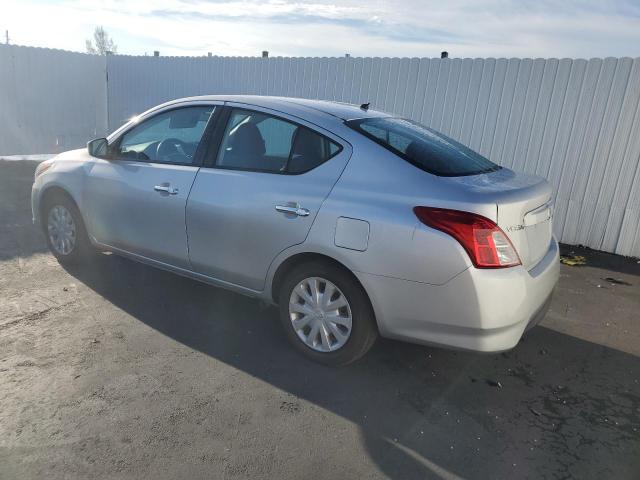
(423, 147)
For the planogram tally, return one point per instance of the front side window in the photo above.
(260, 142)
(423, 147)
(169, 137)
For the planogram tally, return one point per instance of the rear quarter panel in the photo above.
(382, 189)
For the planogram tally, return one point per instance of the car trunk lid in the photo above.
(524, 208)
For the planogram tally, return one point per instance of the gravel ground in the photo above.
(118, 370)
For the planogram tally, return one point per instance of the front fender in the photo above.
(68, 175)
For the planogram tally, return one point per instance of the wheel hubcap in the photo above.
(62, 230)
(320, 314)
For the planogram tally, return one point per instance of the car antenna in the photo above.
(365, 106)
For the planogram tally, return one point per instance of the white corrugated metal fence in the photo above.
(575, 122)
(50, 100)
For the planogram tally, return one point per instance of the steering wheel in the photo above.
(172, 150)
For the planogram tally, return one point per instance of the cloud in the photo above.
(489, 28)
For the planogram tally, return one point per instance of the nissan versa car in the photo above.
(354, 222)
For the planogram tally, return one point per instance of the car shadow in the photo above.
(554, 407)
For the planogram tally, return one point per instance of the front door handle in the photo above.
(166, 189)
(294, 209)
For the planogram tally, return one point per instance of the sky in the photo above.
(404, 28)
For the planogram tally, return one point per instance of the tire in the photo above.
(363, 331)
(61, 207)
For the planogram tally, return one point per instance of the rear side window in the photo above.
(264, 143)
(277, 135)
(309, 150)
(423, 147)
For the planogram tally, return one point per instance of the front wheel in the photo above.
(326, 314)
(64, 229)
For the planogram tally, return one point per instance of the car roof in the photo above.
(323, 113)
(344, 111)
(340, 110)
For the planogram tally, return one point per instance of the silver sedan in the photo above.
(354, 222)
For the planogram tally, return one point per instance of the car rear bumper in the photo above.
(485, 310)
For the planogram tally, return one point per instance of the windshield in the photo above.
(423, 147)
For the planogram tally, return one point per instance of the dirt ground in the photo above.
(119, 370)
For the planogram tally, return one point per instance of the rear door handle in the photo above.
(294, 209)
(166, 189)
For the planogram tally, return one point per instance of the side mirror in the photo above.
(98, 147)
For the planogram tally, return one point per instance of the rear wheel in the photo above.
(326, 314)
(64, 230)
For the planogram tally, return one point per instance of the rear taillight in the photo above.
(487, 245)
